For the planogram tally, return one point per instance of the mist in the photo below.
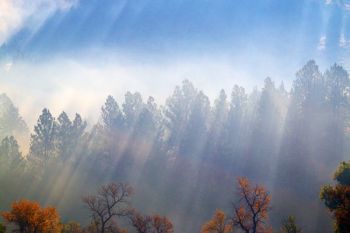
(174, 116)
(263, 134)
(81, 84)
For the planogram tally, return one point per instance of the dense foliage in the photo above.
(337, 198)
(30, 217)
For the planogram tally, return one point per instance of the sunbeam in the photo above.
(155, 116)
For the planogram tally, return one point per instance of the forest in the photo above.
(255, 162)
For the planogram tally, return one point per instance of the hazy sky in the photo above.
(70, 54)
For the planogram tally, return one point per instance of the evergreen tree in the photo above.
(112, 117)
(63, 135)
(132, 108)
(289, 226)
(177, 113)
(234, 129)
(42, 144)
(9, 152)
(78, 128)
(267, 127)
(11, 123)
(68, 134)
(149, 120)
(337, 89)
(195, 133)
(219, 115)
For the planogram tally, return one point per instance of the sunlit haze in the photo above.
(169, 116)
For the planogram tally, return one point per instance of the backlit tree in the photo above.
(30, 217)
(251, 211)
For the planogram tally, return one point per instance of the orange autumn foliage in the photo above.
(251, 212)
(30, 217)
(162, 224)
(218, 224)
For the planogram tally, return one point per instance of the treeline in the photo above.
(182, 156)
(111, 206)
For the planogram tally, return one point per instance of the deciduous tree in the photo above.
(141, 223)
(337, 198)
(161, 224)
(251, 211)
(30, 217)
(111, 201)
(218, 224)
(150, 224)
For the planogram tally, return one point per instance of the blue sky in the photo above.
(151, 45)
(177, 27)
(161, 27)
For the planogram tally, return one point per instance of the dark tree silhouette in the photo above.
(111, 201)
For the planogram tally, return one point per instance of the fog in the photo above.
(182, 155)
(177, 99)
(81, 84)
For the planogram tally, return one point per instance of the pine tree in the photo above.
(42, 145)
(112, 117)
(9, 152)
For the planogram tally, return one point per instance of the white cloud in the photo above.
(17, 14)
(8, 66)
(342, 41)
(345, 4)
(322, 43)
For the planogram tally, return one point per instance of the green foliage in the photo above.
(289, 226)
(337, 198)
(329, 196)
(2, 228)
(342, 174)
